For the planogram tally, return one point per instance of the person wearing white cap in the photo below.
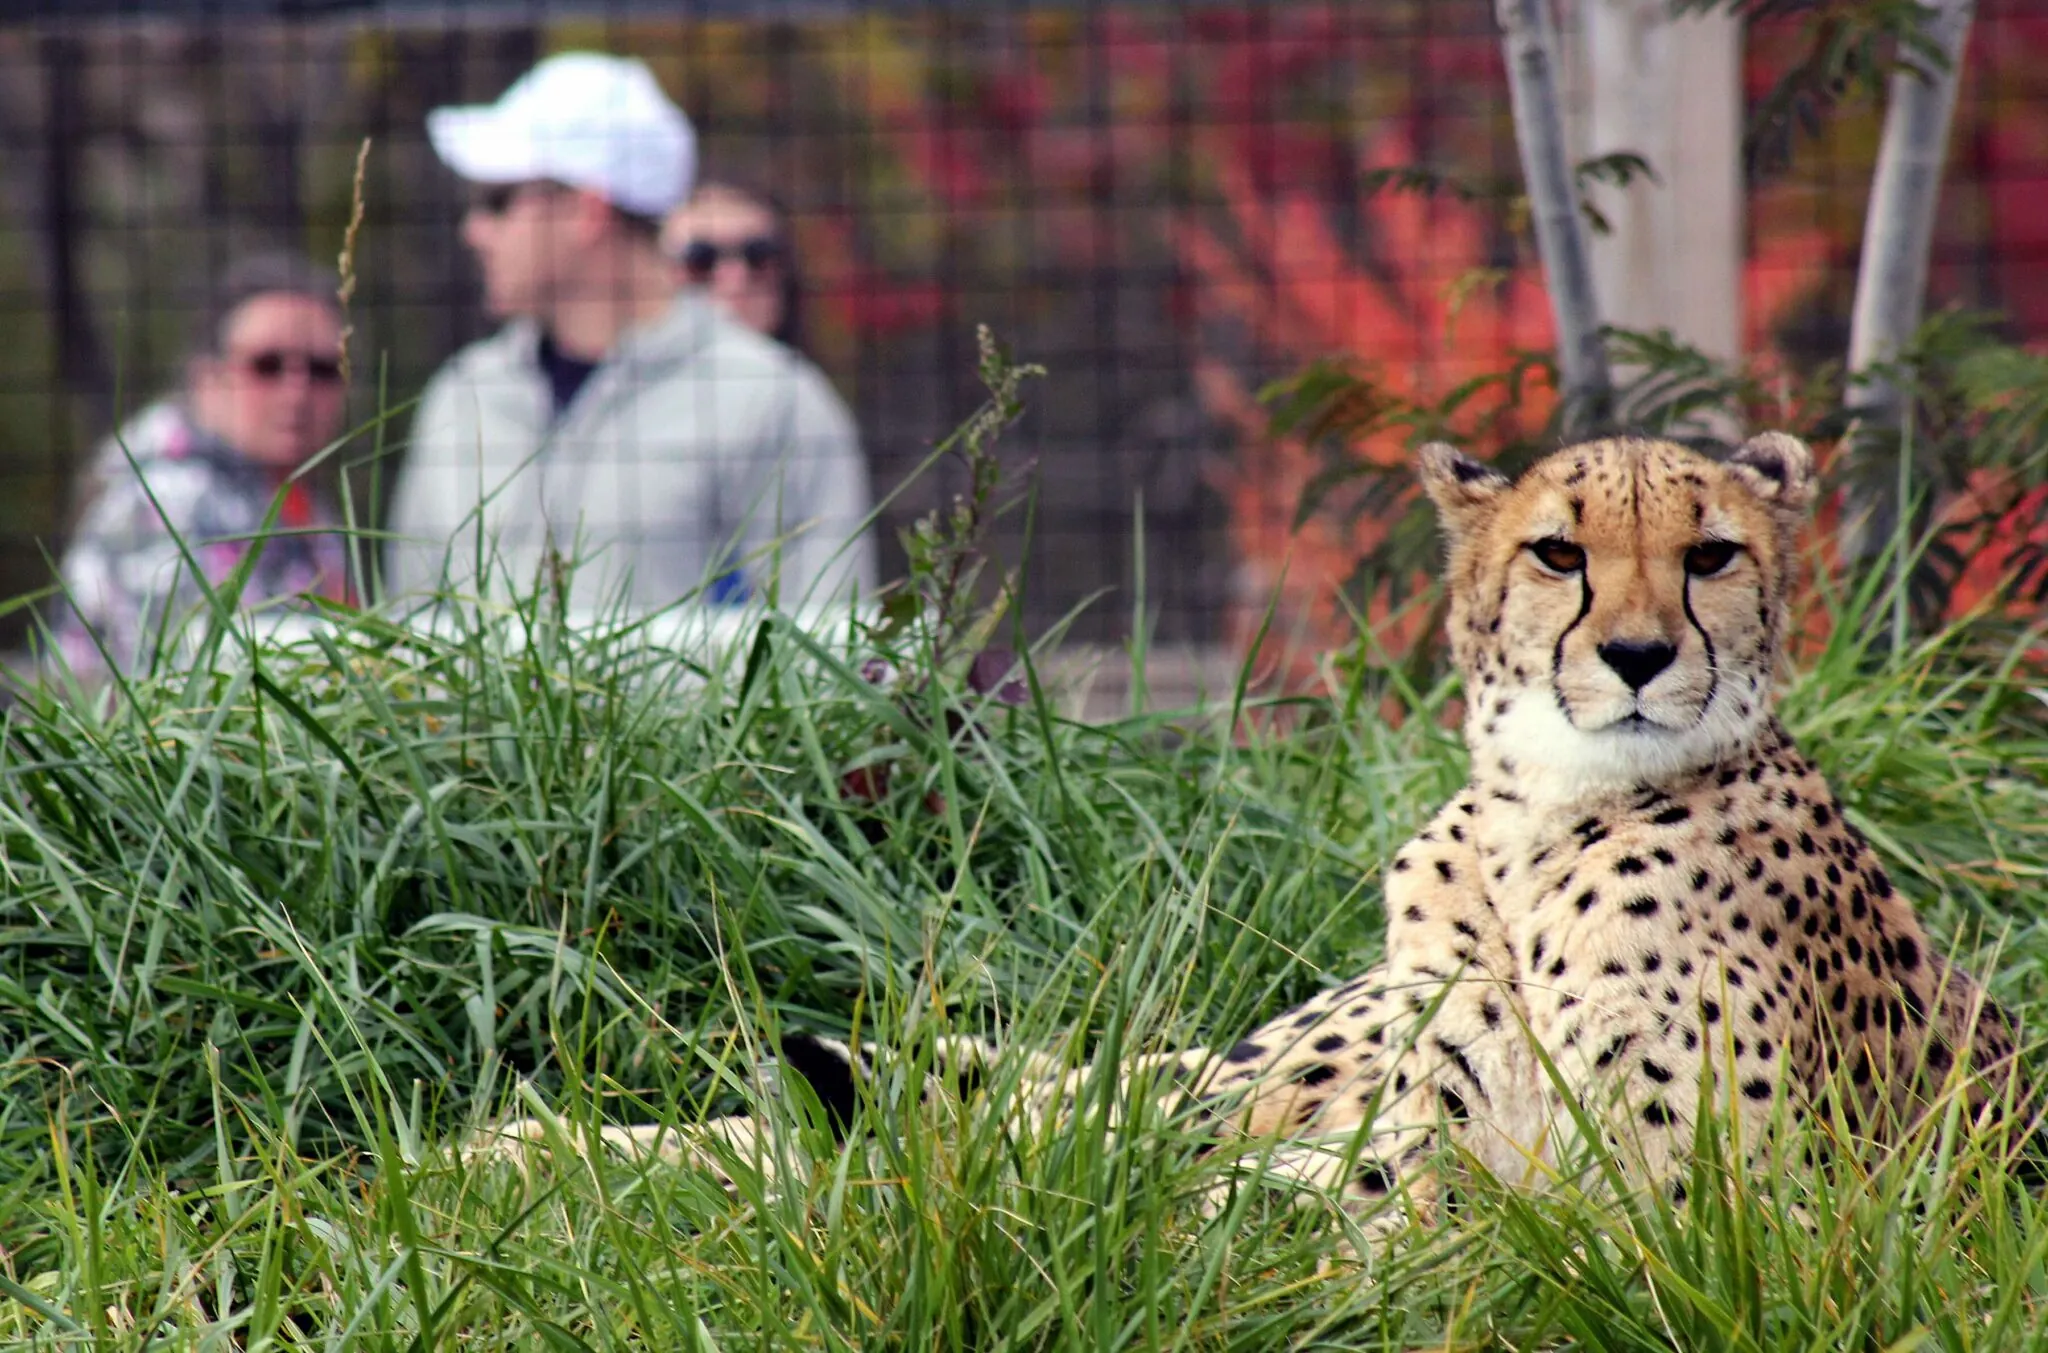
(616, 418)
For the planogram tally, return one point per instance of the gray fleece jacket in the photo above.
(698, 448)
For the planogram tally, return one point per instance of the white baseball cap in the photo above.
(581, 118)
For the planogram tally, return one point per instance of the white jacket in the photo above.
(694, 449)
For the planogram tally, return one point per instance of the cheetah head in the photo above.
(1617, 612)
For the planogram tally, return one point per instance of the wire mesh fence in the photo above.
(1166, 205)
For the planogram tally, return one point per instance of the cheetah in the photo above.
(1644, 899)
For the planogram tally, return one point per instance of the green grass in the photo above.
(276, 932)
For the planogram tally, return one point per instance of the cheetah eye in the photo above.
(1710, 557)
(1559, 556)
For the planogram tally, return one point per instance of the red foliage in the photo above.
(860, 297)
(2000, 528)
(1039, 129)
(1304, 296)
(1424, 321)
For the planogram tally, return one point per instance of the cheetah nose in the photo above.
(1635, 662)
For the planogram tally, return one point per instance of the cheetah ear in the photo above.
(1778, 468)
(1459, 486)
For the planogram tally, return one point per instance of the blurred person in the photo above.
(616, 414)
(734, 242)
(262, 394)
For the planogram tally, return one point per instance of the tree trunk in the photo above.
(1891, 277)
(1668, 87)
(1530, 41)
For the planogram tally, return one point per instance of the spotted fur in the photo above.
(1644, 884)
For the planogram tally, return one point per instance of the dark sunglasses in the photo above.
(495, 199)
(272, 366)
(700, 258)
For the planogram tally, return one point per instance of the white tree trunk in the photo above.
(1898, 235)
(1529, 38)
(1668, 88)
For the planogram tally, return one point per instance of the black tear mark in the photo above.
(1557, 653)
(1713, 663)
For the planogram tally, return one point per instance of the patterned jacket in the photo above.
(128, 581)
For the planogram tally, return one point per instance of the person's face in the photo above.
(273, 391)
(525, 237)
(732, 246)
